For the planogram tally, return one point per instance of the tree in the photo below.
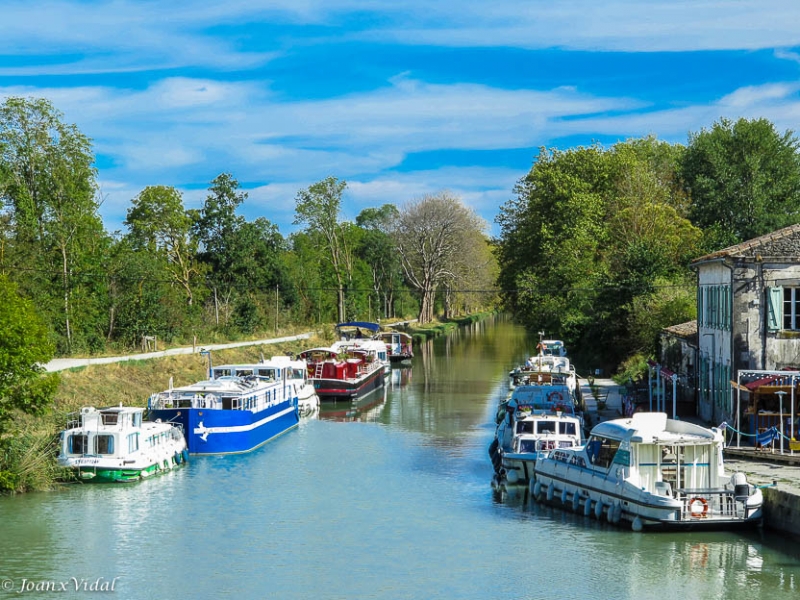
(432, 237)
(159, 223)
(24, 346)
(50, 194)
(743, 179)
(318, 208)
(376, 248)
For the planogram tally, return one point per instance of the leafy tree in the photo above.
(588, 237)
(377, 249)
(158, 223)
(24, 346)
(432, 237)
(48, 189)
(743, 178)
(318, 208)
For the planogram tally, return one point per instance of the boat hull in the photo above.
(348, 389)
(619, 502)
(210, 431)
(100, 473)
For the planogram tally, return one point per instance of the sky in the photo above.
(398, 99)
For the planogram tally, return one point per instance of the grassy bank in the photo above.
(28, 453)
(420, 333)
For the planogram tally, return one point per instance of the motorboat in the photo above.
(531, 426)
(649, 471)
(117, 444)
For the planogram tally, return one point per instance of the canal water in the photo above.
(388, 500)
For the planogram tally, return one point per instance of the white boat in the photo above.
(117, 445)
(528, 431)
(650, 471)
(542, 369)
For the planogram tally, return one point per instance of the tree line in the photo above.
(177, 272)
(596, 244)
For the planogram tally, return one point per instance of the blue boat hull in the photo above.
(230, 431)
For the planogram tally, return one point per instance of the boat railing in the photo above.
(713, 503)
(73, 420)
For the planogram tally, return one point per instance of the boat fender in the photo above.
(512, 476)
(576, 501)
(598, 509)
(551, 490)
(564, 496)
(612, 515)
(587, 507)
(703, 507)
(637, 524)
(537, 491)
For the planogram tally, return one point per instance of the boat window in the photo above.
(221, 372)
(109, 418)
(524, 427)
(137, 419)
(547, 426)
(78, 443)
(133, 442)
(568, 428)
(565, 444)
(601, 451)
(269, 374)
(527, 446)
(104, 444)
(243, 372)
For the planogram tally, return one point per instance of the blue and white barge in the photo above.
(238, 408)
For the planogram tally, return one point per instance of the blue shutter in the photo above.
(774, 308)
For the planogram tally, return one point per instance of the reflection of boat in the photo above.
(531, 426)
(238, 408)
(363, 408)
(345, 370)
(398, 344)
(651, 471)
(400, 377)
(116, 445)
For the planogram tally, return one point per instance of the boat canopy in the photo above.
(374, 327)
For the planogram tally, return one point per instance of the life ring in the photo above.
(555, 397)
(702, 513)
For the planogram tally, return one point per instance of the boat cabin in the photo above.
(115, 431)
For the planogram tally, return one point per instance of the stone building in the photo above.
(748, 315)
(678, 345)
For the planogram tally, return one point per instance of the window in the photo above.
(104, 444)
(791, 308)
(133, 442)
(78, 443)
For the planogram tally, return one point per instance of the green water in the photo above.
(388, 500)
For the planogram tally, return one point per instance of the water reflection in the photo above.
(366, 408)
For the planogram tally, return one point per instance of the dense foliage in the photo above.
(596, 245)
(177, 273)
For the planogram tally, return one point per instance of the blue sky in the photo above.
(399, 99)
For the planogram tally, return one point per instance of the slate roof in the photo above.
(686, 330)
(771, 244)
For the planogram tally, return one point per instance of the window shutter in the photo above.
(774, 308)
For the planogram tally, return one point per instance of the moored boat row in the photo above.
(237, 408)
(647, 471)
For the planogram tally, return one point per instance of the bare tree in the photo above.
(433, 238)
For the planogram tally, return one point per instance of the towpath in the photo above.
(60, 364)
